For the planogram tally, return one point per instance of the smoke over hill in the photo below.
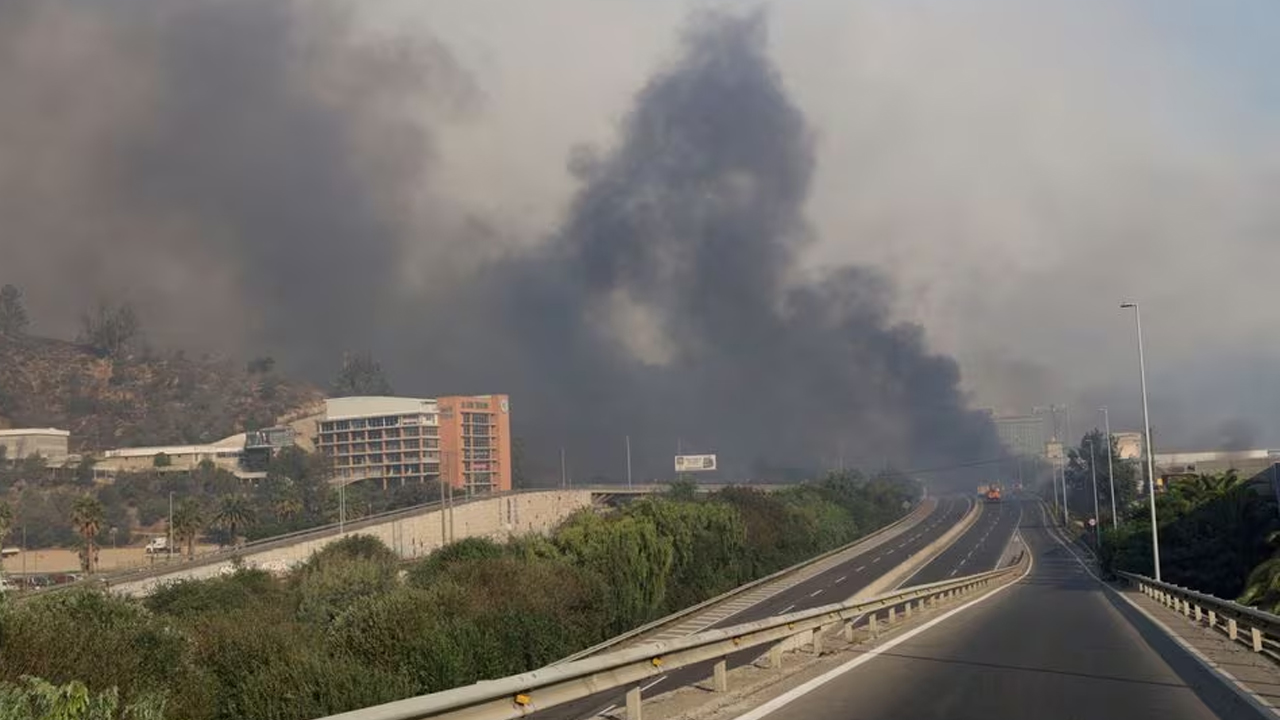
(262, 174)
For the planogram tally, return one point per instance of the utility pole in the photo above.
(1093, 470)
(169, 540)
(342, 505)
(628, 462)
(1111, 475)
(1066, 517)
(564, 482)
(1146, 421)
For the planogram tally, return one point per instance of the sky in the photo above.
(983, 180)
(1017, 168)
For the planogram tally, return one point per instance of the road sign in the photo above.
(695, 463)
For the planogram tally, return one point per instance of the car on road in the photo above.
(158, 545)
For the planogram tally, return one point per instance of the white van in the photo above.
(158, 545)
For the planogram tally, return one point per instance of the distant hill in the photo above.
(139, 398)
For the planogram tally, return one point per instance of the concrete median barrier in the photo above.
(904, 570)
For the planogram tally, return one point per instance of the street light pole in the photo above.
(1146, 421)
(628, 462)
(1093, 470)
(1111, 475)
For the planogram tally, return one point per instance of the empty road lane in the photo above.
(1054, 645)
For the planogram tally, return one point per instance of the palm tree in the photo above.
(233, 514)
(287, 508)
(188, 521)
(87, 515)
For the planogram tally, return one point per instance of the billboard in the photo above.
(695, 463)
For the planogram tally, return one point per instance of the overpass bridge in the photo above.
(960, 611)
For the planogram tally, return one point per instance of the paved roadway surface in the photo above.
(978, 549)
(835, 585)
(1052, 646)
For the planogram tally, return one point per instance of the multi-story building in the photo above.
(48, 443)
(1023, 435)
(475, 437)
(463, 440)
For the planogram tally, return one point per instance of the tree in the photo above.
(1080, 471)
(161, 460)
(111, 330)
(188, 521)
(234, 513)
(6, 520)
(360, 375)
(88, 515)
(13, 311)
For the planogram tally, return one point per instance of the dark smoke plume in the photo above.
(259, 175)
(694, 225)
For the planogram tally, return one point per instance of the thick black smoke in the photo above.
(261, 174)
(695, 223)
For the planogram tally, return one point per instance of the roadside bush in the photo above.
(84, 635)
(422, 572)
(328, 589)
(280, 671)
(238, 592)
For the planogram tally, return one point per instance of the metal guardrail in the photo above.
(519, 695)
(1257, 629)
(914, 516)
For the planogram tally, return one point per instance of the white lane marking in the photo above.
(655, 682)
(842, 578)
(1258, 702)
(861, 568)
(791, 695)
(787, 608)
(890, 552)
(816, 593)
(873, 562)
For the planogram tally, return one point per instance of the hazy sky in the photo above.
(257, 174)
(1018, 168)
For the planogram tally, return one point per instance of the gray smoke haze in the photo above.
(248, 173)
(261, 177)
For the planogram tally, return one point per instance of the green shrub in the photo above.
(328, 589)
(104, 641)
(424, 571)
(238, 592)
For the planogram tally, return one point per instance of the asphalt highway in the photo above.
(834, 585)
(978, 549)
(1053, 646)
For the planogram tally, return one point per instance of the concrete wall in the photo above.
(417, 536)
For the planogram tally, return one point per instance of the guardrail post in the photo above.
(873, 626)
(1213, 619)
(906, 610)
(893, 616)
(775, 656)
(633, 704)
(1257, 639)
(1232, 629)
(1198, 614)
(848, 632)
(720, 676)
(816, 640)
(1186, 608)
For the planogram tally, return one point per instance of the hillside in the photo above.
(144, 398)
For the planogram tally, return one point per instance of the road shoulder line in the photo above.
(793, 694)
(1242, 691)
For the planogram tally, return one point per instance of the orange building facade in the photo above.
(475, 442)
